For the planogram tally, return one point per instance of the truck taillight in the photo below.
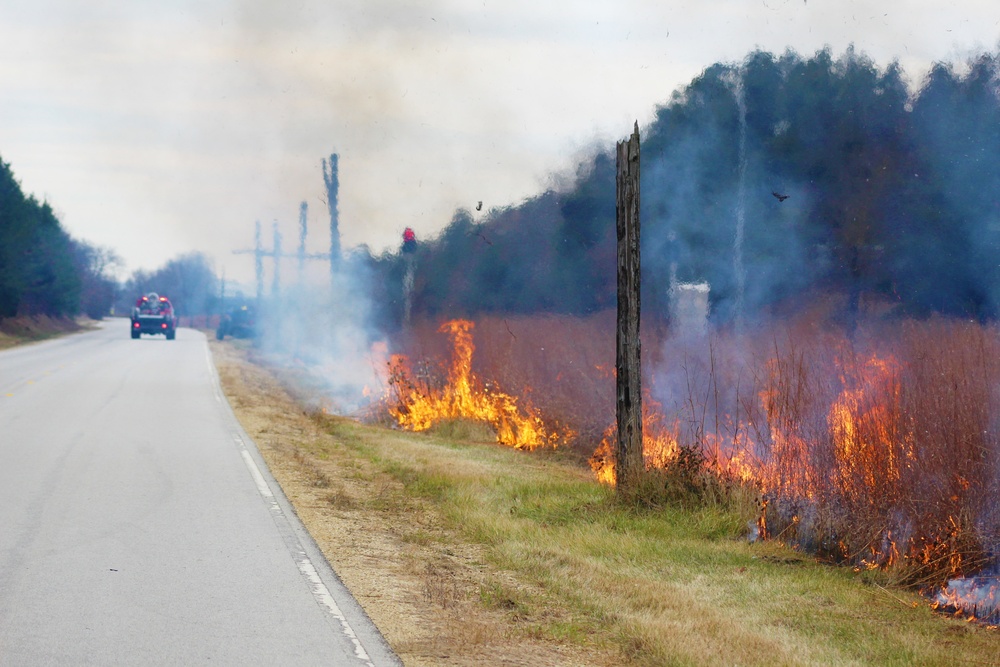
(163, 326)
(135, 325)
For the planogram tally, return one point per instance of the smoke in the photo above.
(955, 226)
(692, 210)
(836, 181)
(781, 177)
(323, 332)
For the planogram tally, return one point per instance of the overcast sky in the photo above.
(170, 126)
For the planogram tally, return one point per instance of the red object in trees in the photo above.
(409, 240)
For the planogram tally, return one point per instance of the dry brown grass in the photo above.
(561, 365)
(464, 561)
(880, 449)
(433, 595)
(24, 329)
(467, 553)
(884, 448)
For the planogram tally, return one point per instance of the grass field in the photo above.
(558, 562)
(665, 587)
(877, 447)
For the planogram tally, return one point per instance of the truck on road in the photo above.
(153, 314)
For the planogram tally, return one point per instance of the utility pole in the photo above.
(276, 253)
(276, 277)
(259, 254)
(629, 455)
(258, 260)
(331, 179)
(303, 210)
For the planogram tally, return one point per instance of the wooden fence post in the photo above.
(629, 462)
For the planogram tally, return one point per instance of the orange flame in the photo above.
(866, 425)
(860, 463)
(971, 598)
(464, 396)
(871, 449)
(659, 443)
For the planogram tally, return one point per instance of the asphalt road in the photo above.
(139, 525)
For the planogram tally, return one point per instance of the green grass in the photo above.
(664, 586)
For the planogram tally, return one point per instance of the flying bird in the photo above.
(780, 197)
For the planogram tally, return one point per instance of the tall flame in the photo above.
(811, 448)
(866, 425)
(465, 396)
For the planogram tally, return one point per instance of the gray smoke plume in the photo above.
(323, 333)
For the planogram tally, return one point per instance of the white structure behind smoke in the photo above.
(689, 308)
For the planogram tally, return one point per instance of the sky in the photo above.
(157, 128)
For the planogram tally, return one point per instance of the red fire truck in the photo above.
(153, 314)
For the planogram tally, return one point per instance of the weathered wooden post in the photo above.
(331, 179)
(258, 264)
(629, 463)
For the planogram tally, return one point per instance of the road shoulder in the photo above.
(419, 583)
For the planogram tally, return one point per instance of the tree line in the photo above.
(45, 271)
(844, 178)
(841, 177)
(188, 280)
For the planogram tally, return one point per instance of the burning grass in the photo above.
(499, 557)
(880, 450)
(566, 563)
(423, 398)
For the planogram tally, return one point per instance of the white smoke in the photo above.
(322, 331)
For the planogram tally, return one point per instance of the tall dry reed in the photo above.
(880, 448)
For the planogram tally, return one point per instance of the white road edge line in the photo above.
(216, 385)
(258, 478)
(319, 590)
